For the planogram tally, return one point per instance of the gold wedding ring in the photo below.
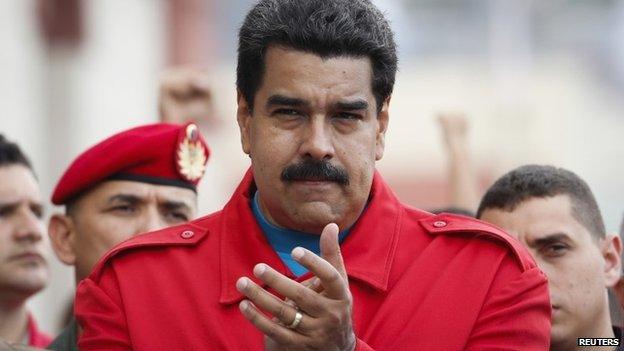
(295, 323)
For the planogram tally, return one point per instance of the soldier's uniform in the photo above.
(162, 154)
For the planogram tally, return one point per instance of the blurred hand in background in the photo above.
(461, 173)
(185, 95)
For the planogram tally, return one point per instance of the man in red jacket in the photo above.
(314, 251)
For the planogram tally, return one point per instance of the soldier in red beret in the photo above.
(136, 181)
(314, 251)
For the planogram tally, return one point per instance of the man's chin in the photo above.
(29, 285)
(312, 217)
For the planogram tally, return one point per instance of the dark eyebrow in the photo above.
(8, 205)
(16, 204)
(550, 239)
(37, 207)
(132, 199)
(354, 105)
(34, 206)
(175, 205)
(281, 100)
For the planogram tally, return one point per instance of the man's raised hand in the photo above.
(312, 318)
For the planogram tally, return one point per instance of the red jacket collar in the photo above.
(368, 250)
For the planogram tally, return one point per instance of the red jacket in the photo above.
(419, 282)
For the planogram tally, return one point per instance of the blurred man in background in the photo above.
(136, 181)
(23, 267)
(617, 297)
(554, 213)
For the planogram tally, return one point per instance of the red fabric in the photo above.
(149, 150)
(36, 337)
(419, 282)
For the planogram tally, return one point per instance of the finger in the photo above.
(201, 82)
(313, 284)
(336, 287)
(330, 248)
(278, 333)
(176, 83)
(266, 301)
(306, 299)
(170, 111)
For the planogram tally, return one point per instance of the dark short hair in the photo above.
(11, 154)
(536, 181)
(328, 28)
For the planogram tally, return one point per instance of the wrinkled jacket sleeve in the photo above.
(100, 314)
(516, 313)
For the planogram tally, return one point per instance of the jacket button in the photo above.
(439, 224)
(187, 234)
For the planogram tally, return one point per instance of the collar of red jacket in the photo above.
(367, 250)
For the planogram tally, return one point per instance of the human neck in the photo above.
(600, 328)
(13, 321)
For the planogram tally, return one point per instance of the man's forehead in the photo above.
(295, 68)
(112, 188)
(17, 182)
(537, 218)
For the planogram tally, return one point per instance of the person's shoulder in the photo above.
(476, 232)
(186, 235)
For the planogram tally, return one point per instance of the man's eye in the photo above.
(123, 209)
(37, 211)
(287, 112)
(5, 211)
(178, 216)
(556, 250)
(348, 116)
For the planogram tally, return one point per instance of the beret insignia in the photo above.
(191, 155)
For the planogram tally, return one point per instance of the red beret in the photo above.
(162, 153)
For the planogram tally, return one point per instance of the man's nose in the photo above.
(28, 226)
(152, 221)
(318, 141)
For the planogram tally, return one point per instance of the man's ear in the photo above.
(611, 250)
(382, 126)
(243, 117)
(62, 236)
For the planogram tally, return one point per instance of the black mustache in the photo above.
(315, 170)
